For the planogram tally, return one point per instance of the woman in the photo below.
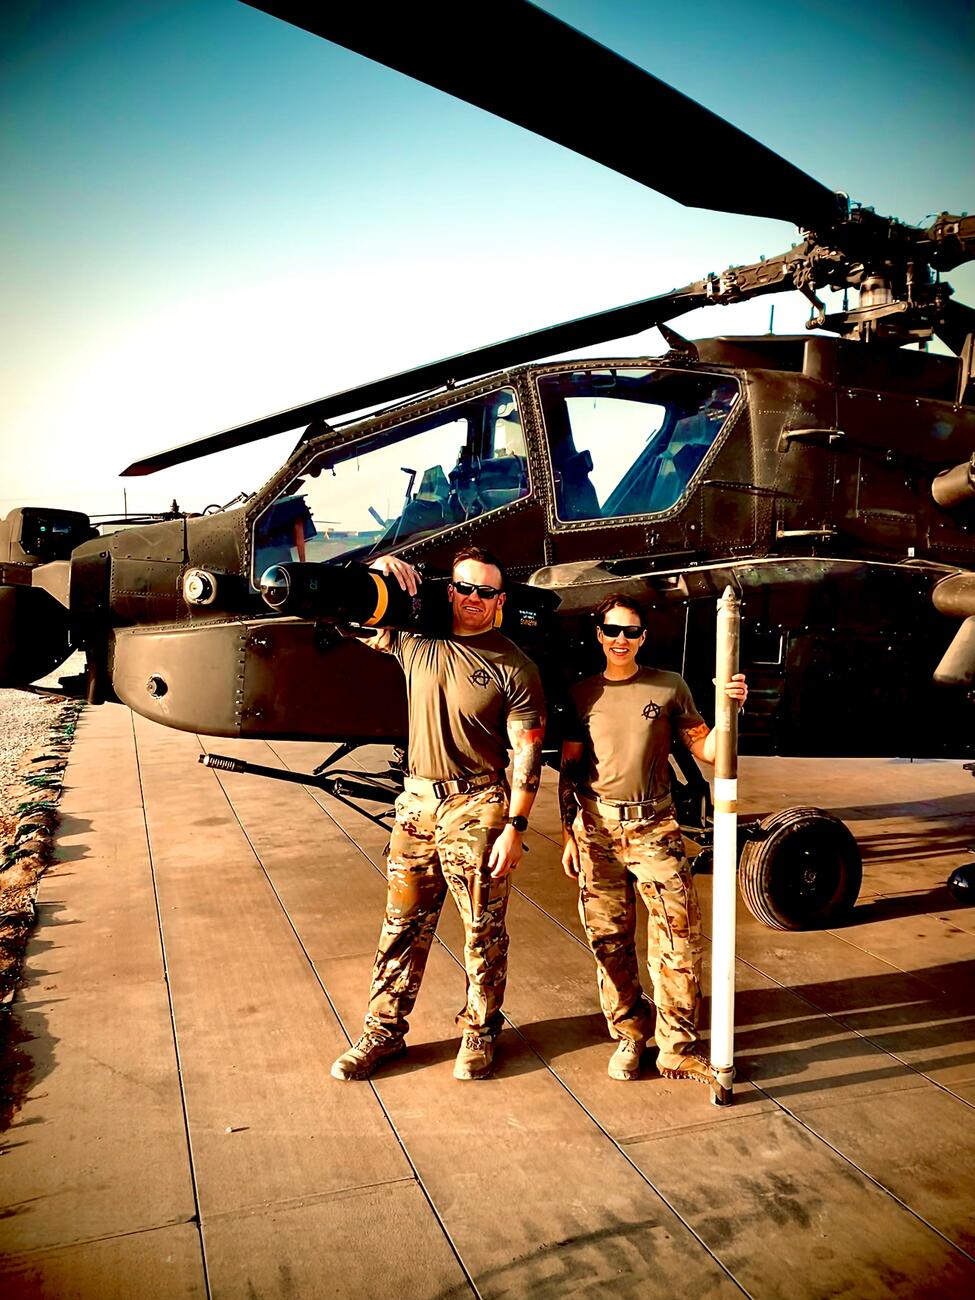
(621, 839)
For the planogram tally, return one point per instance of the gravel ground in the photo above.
(36, 727)
(24, 722)
(25, 717)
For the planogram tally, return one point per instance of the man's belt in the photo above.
(625, 812)
(441, 789)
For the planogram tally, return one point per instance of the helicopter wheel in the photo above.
(802, 871)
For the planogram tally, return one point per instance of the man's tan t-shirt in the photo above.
(461, 694)
(627, 728)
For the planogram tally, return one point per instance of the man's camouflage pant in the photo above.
(436, 845)
(618, 860)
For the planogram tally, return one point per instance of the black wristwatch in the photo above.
(519, 823)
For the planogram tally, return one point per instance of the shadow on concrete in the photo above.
(785, 1035)
(27, 1046)
(934, 840)
(889, 907)
(940, 809)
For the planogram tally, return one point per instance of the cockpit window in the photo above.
(627, 442)
(366, 497)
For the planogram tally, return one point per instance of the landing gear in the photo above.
(961, 882)
(800, 869)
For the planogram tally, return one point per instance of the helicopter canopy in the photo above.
(621, 442)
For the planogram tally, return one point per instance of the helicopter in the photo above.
(828, 478)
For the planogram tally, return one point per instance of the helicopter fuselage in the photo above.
(799, 470)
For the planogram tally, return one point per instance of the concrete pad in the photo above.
(98, 1147)
(552, 995)
(781, 1040)
(459, 1136)
(549, 1179)
(791, 1218)
(104, 721)
(928, 1166)
(101, 885)
(99, 1144)
(256, 1033)
(535, 1199)
(158, 1265)
(358, 1244)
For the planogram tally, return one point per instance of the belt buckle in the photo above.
(636, 812)
(441, 788)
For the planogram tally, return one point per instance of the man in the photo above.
(457, 827)
(620, 839)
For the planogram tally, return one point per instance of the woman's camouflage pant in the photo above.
(436, 845)
(618, 860)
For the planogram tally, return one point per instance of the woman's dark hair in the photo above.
(610, 602)
(482, 556)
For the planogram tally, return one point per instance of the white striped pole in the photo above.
(725, 853)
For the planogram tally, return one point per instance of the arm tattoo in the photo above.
(526, 744)
(691, 735)
(570, 776)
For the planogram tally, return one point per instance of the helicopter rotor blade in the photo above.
(586, 331)
(539, 73)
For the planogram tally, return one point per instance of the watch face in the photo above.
(519, 823)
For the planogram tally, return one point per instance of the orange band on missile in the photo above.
(382, 601)
(726, 805)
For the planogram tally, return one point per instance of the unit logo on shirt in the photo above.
(651, 711)
(480, 677)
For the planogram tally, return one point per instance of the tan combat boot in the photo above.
(696, 1068)
(475, 1057)
(365, 1056)
(624, 1064)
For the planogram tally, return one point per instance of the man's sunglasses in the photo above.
(483, 590)
(614, 629)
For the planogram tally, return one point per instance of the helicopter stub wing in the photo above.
(528, 67)
(585, 331)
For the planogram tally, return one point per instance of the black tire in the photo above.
(802, 871)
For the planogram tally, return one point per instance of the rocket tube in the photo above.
(344, 594)
(725, 851)
(382, 602)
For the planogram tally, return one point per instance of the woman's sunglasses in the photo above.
(614, 629)
(468, 588)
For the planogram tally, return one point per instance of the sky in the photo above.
(207, 215)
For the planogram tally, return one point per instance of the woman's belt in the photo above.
(625, 812)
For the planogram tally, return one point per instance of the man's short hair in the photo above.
(482, 556)
(624, 602)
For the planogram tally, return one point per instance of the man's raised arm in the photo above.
(409, 580)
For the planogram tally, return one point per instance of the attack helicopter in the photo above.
(828, 478)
